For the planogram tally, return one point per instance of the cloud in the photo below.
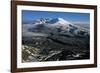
(27, 33)
(80, 22)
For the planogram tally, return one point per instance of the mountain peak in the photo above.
(61, 20)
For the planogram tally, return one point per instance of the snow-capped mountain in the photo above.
(59, 23)
(53, 23)
(56, 26)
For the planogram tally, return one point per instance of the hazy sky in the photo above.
(28, 15)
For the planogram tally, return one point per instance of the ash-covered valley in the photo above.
(54, 40)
